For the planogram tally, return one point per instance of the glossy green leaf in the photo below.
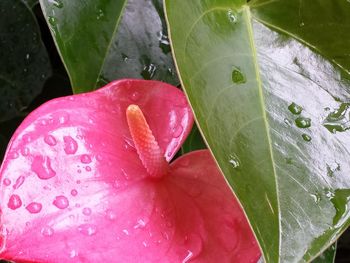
(327, 256)
(100, 41)
(141, 48)
(83, 31)
(24, 65)
(270, 87)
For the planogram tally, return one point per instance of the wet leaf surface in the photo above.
(270, 94)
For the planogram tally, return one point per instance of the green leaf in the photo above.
(24, 65)
(327, 256)
(141, 48)
(98, 44)
(83, 31)
(269, 84)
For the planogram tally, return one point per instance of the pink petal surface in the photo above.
(73, 188)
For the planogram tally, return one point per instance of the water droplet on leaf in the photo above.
(295, 108)
(302, 122)
(238, 77)
(306, 137)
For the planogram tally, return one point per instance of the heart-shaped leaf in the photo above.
(24, 65)
(269, 84)
(98, 44)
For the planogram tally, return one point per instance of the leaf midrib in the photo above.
(248, 18)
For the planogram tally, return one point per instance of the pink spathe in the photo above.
(87, 197)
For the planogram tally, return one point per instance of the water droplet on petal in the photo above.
(70, 145)
(61, 202)
(7, 182)
(42, 167)
(194, 246)
(25, 151)
(34, 207)
(74, 192)
(87, 229)
(238, 77)
(135, 96)
(47, 231)
(87, 211)
(295, 108)
(85, 158)
(302, 122)
(63, 118)
(50, 140)
(178, 131)
(19, 182)
(111, 215)
(14, 202)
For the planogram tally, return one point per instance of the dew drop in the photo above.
(87, 229)
(52, 21)
(316, 197)
(148, 71)
(42, 167)
(34, 207)
(135, 96)
(164, 43)
(7, 182)
(111, 215)
(295, 108)
(61, 202)
(238, 77)
(140, 224)
(56, 3)
(338, 120)
(63, 118)
(25, 151)
(332, 169)
(306, 137)
(50, 140)
(47, 231)
(194, 246)
(74, 192)
(177, 131)
(288, 122)
(85, 158)
(88, 168)
(87, 211)
(70, 145)
(232, 17)
(14, 202)
(302, 122)
(19, 182)
(234, 161)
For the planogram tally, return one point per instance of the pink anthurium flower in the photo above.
(87, 178)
